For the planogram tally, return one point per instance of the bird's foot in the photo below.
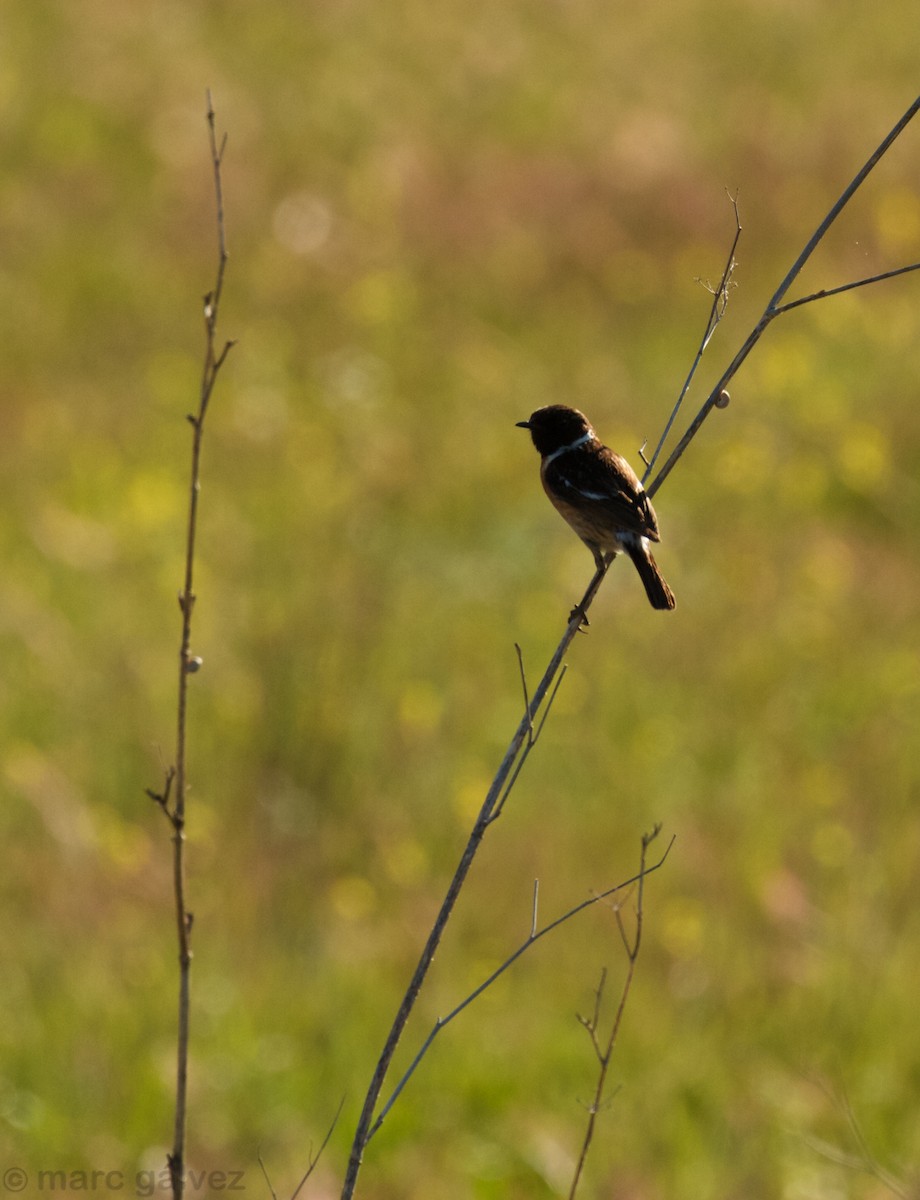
(583, 622)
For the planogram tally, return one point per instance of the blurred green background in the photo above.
(440, 217)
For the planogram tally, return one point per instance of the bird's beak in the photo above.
(522, 424)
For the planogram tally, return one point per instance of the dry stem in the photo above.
(176, 776)
(523, 740)
(776, 307)
(534, 936)
(605, 1053)
(521, 745)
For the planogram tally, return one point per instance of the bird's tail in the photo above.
(658, 592)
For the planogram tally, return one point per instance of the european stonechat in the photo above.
(598, 493)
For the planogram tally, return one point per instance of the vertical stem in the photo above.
(183, 916)
(187, 666)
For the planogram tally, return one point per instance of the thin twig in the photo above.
(605, 1054)
(591, 1024)
(865, 1161)
(266, 1176)
(845, 287)
(776, 306)
(716, 313)
(188, 665)
(532, 738)
(314, 1158)
(534, 936)
(520, 658)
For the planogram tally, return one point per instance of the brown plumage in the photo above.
(598, 493)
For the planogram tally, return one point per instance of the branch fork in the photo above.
(529, 728)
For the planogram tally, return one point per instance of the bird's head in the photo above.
(556, 426)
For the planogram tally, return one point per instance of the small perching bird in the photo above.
(598, 493)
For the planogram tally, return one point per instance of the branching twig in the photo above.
(864, 1160)
(716, 313)
(313, 1159)
(521, 745)
(176, 776)
(845, 287)
(605, 1052)
(776, 307)
(533, 734)
(534, 936)
(523, 740)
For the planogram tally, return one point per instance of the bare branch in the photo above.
(776, 306)
(316, 1157)
(846, 287)
(520, 658)
(535, 936)
(492, 805)
(266, 1176)
(525, 736)
(605, 1053)
(549, 704)
(189, 664)
(716, 313)
(532, 739)
(618, 916)
(162, 798)
(864, 1160)
(591, 1024)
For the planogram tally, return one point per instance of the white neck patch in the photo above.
(583, 440)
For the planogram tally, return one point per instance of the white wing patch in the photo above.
(610, 494)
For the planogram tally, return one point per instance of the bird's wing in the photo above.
(605, 482)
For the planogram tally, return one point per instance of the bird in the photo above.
(598, 493)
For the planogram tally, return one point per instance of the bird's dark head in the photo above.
(556, 426)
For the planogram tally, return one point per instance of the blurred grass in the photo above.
(439, 219)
